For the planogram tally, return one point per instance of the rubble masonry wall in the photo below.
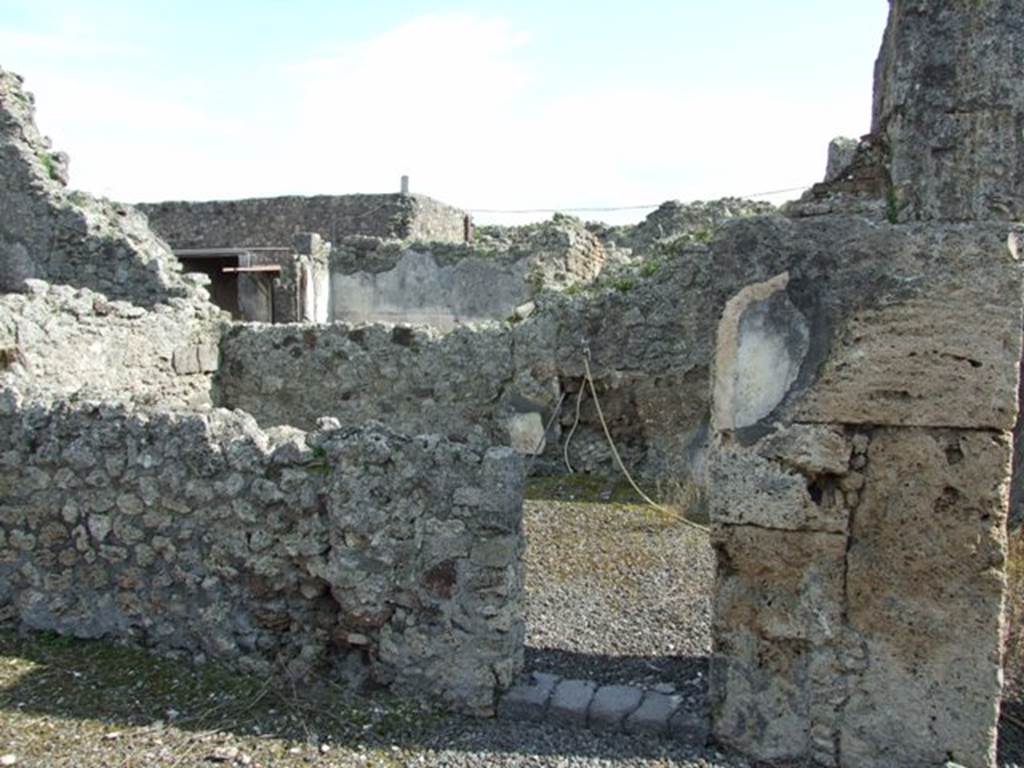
(350, 551)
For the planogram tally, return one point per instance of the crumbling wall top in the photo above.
(949, 105)
(51, 233)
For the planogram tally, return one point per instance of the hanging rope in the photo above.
(540, 442)
(618, 458)
(576, 423)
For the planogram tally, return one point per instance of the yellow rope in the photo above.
(618, 459)
(576, 423)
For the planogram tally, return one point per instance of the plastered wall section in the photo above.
(343, 551)
(859, 481)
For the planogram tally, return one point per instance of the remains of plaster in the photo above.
(859, 512)
(864, 395)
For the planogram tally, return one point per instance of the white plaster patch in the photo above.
(760, 348)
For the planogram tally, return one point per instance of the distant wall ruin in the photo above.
(274, 221)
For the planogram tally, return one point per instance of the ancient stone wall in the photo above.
(131, 509)
(864, 402)
(858, 489)
(650, 350)
(63, 343)
(120, 321)
(352, 550)
(48, 232)
(949, 106)
(274, 221)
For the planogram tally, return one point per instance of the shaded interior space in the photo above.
(617, 592)
(223, 285)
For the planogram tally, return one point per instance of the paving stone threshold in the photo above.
(659, 711)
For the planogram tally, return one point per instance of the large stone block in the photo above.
(788, 481)
(934, 362)
(758, 698)
(925, 580)
(780, 585)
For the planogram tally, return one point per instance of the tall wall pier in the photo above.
(858, 486)
(863, 410)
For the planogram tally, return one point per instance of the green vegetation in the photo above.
(622, 283)
(651, 267)
(319, 463)
(102, 704)
(703, 234)
(892, 206)
(49, 164)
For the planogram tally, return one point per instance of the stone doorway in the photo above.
(618, 611)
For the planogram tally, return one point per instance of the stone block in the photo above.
(186, 360)
(781, 585)
(208, 356)
(745, 488)
(691, 724)
(947, 361)
(759, 700)
(611, 705)
(810, 449)
(529, 700)
(653, 714)
(925, 581)
(570, 702)
(526, 433)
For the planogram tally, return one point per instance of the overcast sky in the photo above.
(486, 105)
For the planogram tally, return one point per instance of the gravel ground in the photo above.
(617, 594)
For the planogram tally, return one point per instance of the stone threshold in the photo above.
(658, 711)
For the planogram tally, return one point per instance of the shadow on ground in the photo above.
(86, 703)
(65, 691)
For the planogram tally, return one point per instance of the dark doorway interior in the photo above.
(223, 285)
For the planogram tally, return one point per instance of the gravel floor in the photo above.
(616, 594)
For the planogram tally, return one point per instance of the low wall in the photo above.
(274, 221)
(345, 549)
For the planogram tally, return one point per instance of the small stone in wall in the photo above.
(526, 433)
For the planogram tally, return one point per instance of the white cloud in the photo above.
(452, 100)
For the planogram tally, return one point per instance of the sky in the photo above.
(486, 105)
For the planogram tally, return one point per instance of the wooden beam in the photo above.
(257, 268)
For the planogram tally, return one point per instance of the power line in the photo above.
(608, 208)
